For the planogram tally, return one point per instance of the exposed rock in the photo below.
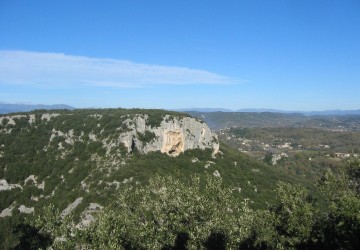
(173, 136)
(85, 186)
(195, 160)
(71, 207)
(115, 183)
(47, 116)
(26, 210)
(277, 157)
(87, 215)
(173, 142)
(69, 137)
(30, 178)
(7, 211)
(55, 133)
(98, 116)
(31, 119)
(33, 179)
(4, 185)
(208, 164)
(216, 174)
(11, 119)
(127, 180)
(92, 137)
(34, 198)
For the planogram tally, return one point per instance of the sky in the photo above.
(172, 54)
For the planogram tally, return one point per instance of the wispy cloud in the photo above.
(35, 68)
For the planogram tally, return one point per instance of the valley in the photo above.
(297, 144)
(305, 152)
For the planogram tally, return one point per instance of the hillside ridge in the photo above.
(43, 147)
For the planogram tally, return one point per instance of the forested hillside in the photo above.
(152, 179)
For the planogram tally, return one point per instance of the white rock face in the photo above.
(195, 160)
(4, 185)
(11, 118)
(26, 210)
(173, 136)
(92, 137)
(7, 211)
(31, 119)
(71, 207)
(208, 164)
(48, 116)
(216, 174)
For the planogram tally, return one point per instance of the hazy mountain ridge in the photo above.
(221, 120)
(262, 110)
(308, 113)
(6, 108)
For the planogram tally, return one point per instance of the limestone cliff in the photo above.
(174, 135)
(116, 131)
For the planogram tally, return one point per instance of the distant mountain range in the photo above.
(254, 110)
(6, 108)
(204, 110)
(309, 113)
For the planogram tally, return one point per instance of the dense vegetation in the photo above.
(204, 214)
(153, 200)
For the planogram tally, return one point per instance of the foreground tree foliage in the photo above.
(203, 214)
(341, 226)
(165, 214)
(287, 224)
(168, 213)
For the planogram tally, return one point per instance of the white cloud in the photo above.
(35, 68)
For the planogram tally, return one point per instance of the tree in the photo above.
(164, 214)
(289, 223)
(341, 226)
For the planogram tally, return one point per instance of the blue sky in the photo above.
(290, 55)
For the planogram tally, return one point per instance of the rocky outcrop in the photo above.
(174, 135)
(4, 185)
(33, 179)
(87, 216)
(71, 207)
(173, 142)
(7, 211)
(26, 210)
